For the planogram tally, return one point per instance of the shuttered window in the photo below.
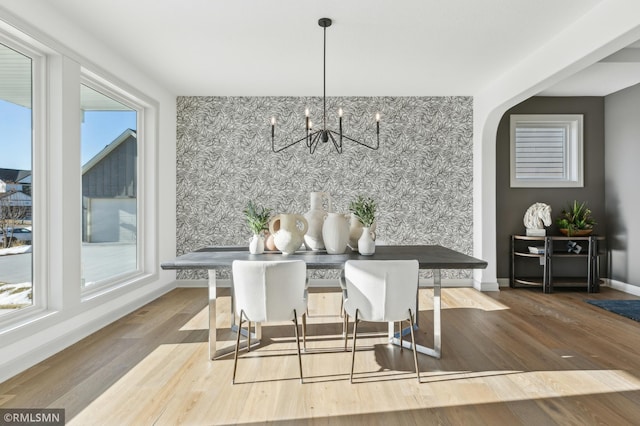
(546, 150)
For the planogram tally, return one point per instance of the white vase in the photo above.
(335, 233)
(315, 217)
(355, 231)
(287, 234)
(256, 245)
(367, 243)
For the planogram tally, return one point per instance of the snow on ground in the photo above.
(16, 250)
(15, 294)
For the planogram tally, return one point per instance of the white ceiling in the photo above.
(374, 47)
(611, 74)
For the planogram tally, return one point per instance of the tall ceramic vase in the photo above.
(366, 242)
(335, 233)
(315, 217)
(288, 231)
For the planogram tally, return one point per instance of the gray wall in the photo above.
(622, 155)
(511, 203)
(421, 177)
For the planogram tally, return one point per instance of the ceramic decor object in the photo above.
(335, 233)
(315, 217)
(288, 231)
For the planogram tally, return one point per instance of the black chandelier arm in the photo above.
(342, 135)
(336, 145)
(307, 138)
(314, 138)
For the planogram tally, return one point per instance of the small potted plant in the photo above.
(364, 208)
(576, 220)
(257, 220)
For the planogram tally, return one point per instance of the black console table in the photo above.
(552, 250)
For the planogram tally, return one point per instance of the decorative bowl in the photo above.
(577, 232)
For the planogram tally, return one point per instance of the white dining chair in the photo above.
(380, 291)
(269, 291)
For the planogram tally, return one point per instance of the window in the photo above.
(546, 150)
(109, 151)
(16, 130)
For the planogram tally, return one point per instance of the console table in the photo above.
(429, 257)
(554, 249)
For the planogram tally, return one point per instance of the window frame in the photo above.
(40, 290)
(574, 146)
(122, 95)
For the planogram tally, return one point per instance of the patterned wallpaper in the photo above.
(421, 176)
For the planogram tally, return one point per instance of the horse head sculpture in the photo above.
(536, 218)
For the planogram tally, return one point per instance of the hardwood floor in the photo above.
(510, 357)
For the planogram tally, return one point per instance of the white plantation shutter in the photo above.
(546, 150)
(541, 152)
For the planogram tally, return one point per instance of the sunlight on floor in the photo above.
(175, 379)
(176, 383)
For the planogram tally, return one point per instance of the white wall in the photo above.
(622, 198)
(68, 317)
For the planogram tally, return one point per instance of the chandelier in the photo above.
(324, 134)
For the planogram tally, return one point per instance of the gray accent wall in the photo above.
(421, 176)
(512, 203)
(622, 165)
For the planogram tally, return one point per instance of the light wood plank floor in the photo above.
(510, 357)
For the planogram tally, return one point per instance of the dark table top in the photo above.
(429, 257)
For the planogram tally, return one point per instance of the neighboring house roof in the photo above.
(108, 149)
(15, 176)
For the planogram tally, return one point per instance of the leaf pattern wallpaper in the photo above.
(420, 177)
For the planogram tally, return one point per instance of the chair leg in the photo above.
(345, 328)
(235, 358)
(413, 343)
(353, 349)
(249, 337)
(401, 339)
(304, 331)
(295, 324)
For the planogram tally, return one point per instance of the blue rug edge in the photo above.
(629, 308)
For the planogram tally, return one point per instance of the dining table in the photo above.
(429, 257)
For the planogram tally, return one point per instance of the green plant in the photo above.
(257, 217)
(365, 210)
(575, 217)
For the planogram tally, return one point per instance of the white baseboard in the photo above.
(486, 286)
(624, 287)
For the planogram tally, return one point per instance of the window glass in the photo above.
(16, 239)
(109, 188)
